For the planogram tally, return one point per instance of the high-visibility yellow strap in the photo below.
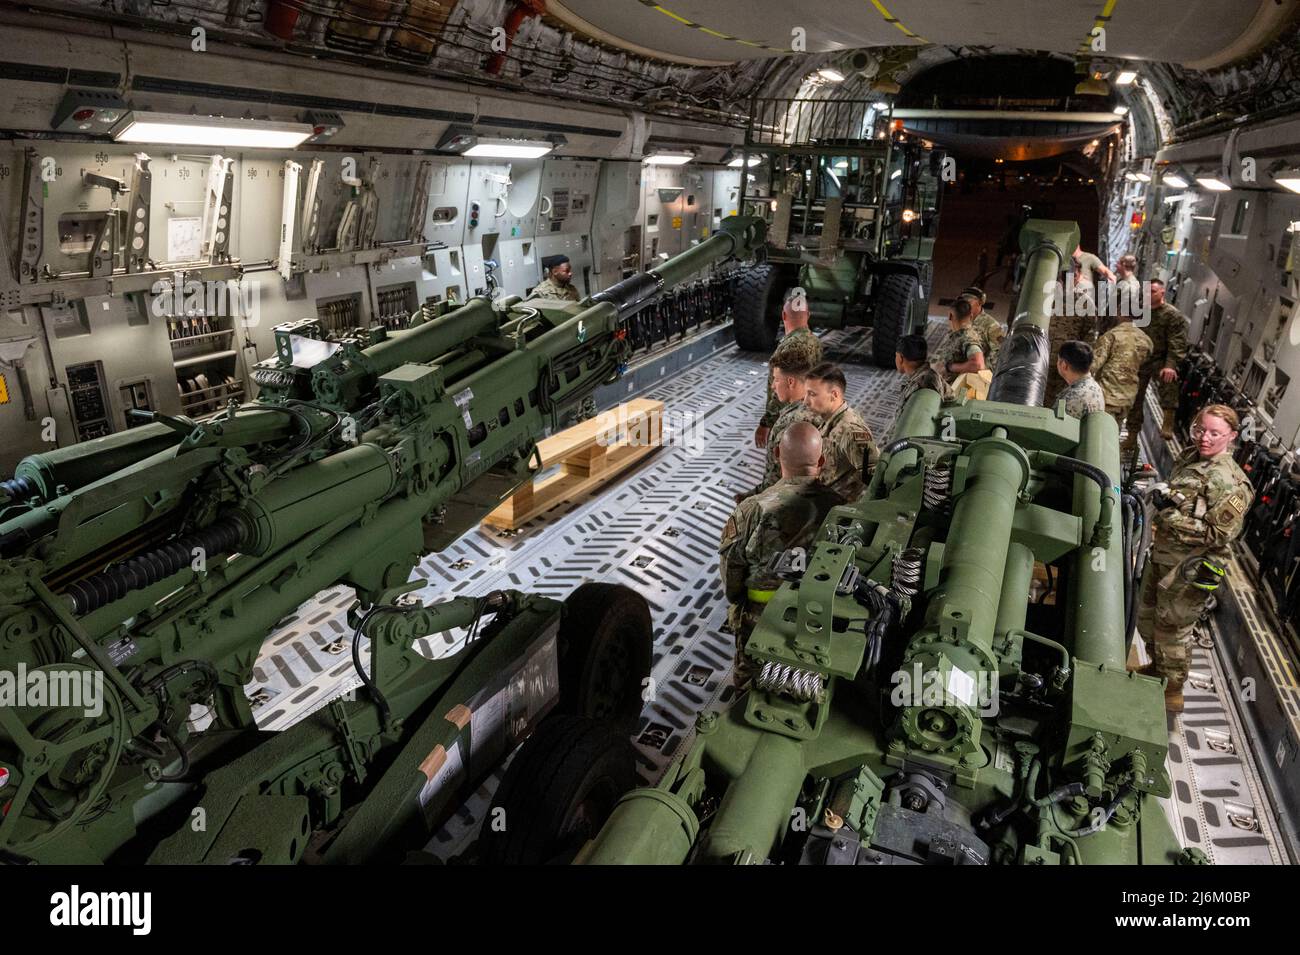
(760, 596)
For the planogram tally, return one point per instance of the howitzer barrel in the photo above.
(339, 382)
(1022, 370)
(739, 237)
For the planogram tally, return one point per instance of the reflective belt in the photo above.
(759, 596)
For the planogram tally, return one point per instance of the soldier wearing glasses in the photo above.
(1198, 515)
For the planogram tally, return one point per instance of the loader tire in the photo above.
(557, 793)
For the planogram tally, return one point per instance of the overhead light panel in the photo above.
(831, 75)
(1212, 183)
(509, 149)
(668, 159)
(1126, 77)
(1173, 179)
(1121, 110)
(739, 160)
(1288, 179)
(182, 129)
(880, 107)
(1143, 177)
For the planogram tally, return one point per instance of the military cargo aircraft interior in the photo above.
(521, 432)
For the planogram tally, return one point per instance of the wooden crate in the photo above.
(589, 454)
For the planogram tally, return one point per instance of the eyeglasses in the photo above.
(1198, 432)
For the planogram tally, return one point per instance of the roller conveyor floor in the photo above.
(656, 529)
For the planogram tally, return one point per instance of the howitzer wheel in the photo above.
(605, 644)
(558, 792)
(62, 760)
(892, 316)
(756, 308)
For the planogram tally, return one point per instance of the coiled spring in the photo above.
(801, 685)
(272, 378)
(905, 578)
(938, 488)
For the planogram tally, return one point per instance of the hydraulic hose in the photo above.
(1061, 464)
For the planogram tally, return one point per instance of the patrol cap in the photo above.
(551, 261)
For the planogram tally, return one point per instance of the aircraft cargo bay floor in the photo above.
(656, 530)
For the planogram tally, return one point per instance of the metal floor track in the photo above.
(655, 529)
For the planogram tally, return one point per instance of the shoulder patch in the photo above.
(861, 436)
(1237, 502)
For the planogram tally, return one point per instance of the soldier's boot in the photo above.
(1174, 696)
(1167, 426)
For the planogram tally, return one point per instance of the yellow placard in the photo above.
(677, 222)
(4, 390)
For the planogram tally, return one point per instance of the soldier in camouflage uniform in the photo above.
(1115, 362)
(912, 362)
(1081, 322)
(785, 515)
(989, 329)
(789, 381)
(1167, 330)
(1082, 394)
(558, 280)
(1199, 516)
(960, 351)
(846, 439)
(799, 340)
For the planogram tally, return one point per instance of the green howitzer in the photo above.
(911, 704)
(140, 574)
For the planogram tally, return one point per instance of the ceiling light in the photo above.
(831, 75)
(1288, 179)
(1126, 77)
(1131, 176)
(668, 159)
(1213, 184)
(509, 149)
(1175, 180)
(752, 161)
(1121, 111)
(1143, 177)
(181, 129)
(881, 107)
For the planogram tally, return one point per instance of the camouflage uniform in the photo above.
(1084, 397)
(785, 515)
(1217, 496)
(958, 347)
(1115, 362)
(1080, 326)
(549, 288)
(1168, 334)
(791, 413)
(799, 340)
(991, 333)
(847, 442)
(923, 377)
